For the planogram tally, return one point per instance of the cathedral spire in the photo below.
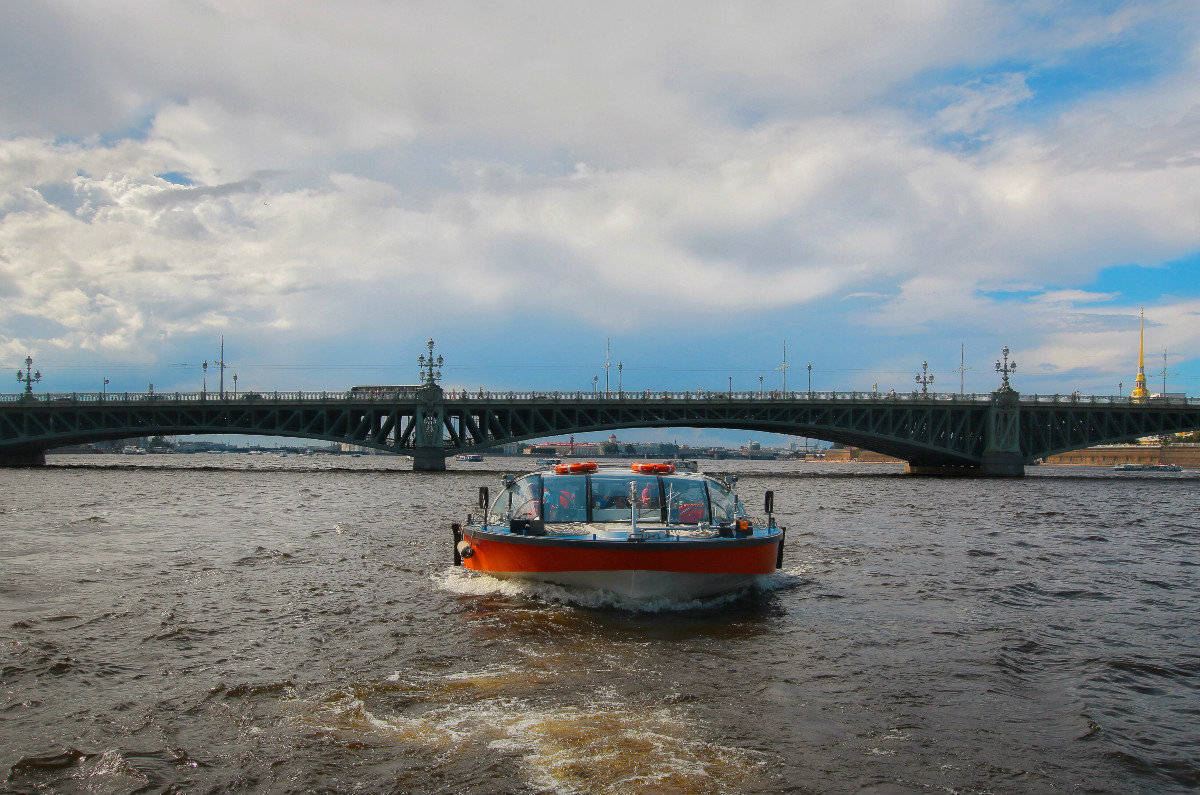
(1140, 393)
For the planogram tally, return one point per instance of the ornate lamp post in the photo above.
(595, 384)
(1005, 369)
(29, 379)
(924, 378)
(428, 365)
(204, 379)
(235, 385)
(1120, 389)
(104, 389)
(810, 381)
(620, 371)
(760, 387)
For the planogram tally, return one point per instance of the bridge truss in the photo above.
(986, 434)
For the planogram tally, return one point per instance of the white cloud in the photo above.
(971, 107)
(635, 164)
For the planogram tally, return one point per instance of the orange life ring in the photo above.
(576, 468)
(653, 469)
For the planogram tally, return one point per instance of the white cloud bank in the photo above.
(368, 161)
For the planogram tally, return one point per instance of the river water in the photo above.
(244, 623)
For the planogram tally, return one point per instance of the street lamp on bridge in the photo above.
(427, 365)
(1005, 369)
(29, 379)
(204, 378)
(104, 389)
(924, 378)
(810, 381)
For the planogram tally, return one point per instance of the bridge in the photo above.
(993, 434)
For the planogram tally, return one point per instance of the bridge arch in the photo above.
(958, 432)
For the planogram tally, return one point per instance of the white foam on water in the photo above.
(466, 582)
(110, 772)
(603, 745)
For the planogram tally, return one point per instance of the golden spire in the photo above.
(1140, 393)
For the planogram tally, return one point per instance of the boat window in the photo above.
(610, 498)
(527, 498)
(498, 513)
(687, 502)
(724, 503)
(564, 498)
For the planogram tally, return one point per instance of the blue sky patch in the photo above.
(176, 178)
(1139, 56)
(1150, 283)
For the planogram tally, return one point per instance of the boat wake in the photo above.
(456, 579)
(598, 743)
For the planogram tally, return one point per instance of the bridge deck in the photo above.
(996, 432)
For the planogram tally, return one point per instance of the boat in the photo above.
(644, 531)
(549, 462)
(683, 465)
(1148, 468)
(468, 457)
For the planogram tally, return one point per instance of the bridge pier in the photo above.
(1002, 465)
(23, 458)
(430, 459)
(996, 465)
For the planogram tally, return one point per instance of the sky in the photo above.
(689, 185)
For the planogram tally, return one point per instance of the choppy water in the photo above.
(230, 623)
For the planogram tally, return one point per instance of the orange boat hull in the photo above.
(676, 569)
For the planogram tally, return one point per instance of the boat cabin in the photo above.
(593, 495)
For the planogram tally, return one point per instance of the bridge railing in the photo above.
(694, 396)
(187, 397)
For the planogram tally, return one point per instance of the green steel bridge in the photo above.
(993, 434)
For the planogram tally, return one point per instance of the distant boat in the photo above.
(1148, 468)
(131, 450)
(549, 462)
(469, 457)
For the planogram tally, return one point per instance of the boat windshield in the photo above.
(611, 498)
(605, 497)
(725, 506)
(565, 498)
(687, 501)
(521, 500)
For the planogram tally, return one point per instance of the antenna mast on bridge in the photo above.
(1164, 375)
(962, 368)
(607, 362)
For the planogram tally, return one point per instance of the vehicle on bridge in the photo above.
(644, 531)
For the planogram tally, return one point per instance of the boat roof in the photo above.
(625, 470)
